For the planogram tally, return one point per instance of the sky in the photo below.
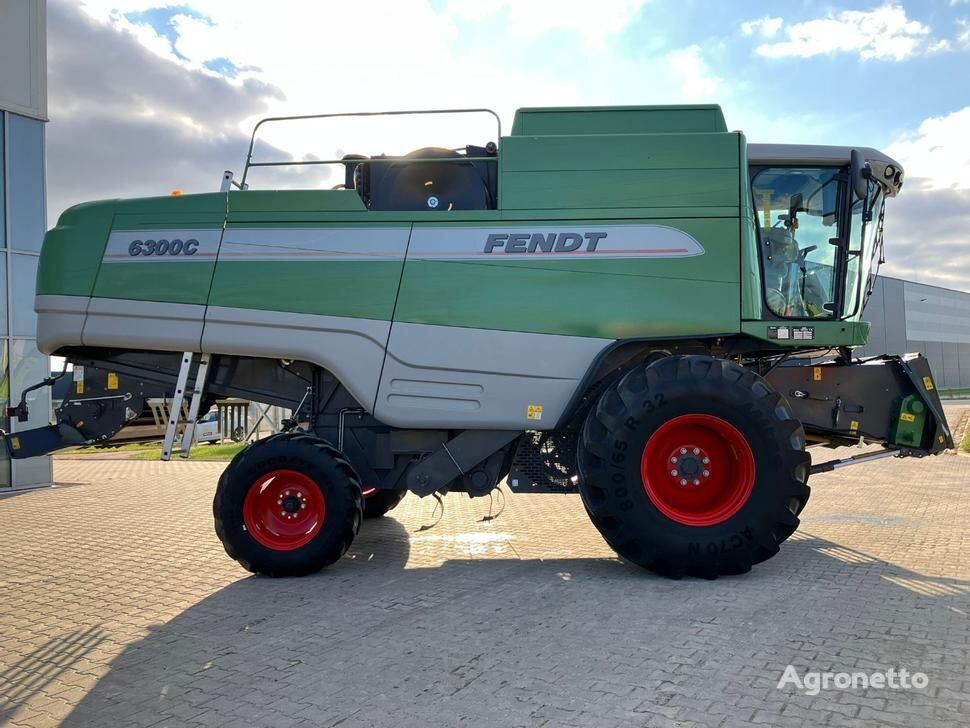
(147, 96)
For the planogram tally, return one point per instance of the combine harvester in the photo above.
(631, 302)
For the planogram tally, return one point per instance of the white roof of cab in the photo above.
(813, 154)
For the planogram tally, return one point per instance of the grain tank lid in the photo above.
(571, 120)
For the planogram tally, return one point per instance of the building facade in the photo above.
(23, 221)
(915, 317)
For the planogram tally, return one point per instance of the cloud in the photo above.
(928, 225)
(937, 154)
(885, 34)
(125, 124)
(767, 27)
(964, 38)
(696, 78)
(927, 237)
(400, 54)
(592, 22)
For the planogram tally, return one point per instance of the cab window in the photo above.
(798, 211)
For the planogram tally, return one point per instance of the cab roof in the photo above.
(813, 154)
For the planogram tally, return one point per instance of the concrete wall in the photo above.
(914, 317)
(23, 221)
(23, 57)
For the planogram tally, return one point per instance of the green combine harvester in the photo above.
(631, 303)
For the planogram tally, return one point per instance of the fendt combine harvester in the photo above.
(627, 302)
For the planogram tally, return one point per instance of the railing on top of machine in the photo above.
(252, 141)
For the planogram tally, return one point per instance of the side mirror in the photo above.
(860, 172)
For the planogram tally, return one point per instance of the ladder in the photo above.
(175, 412)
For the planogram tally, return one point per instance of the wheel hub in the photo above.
(690, 465)
(284, 509)
(291, 504)
(697, 470)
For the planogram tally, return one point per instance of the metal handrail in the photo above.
(302, 117)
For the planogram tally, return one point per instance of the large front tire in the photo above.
(693, 465)
(288, 505)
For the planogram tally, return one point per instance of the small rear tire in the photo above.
(693, 465)
(288, 505)
(378, 502)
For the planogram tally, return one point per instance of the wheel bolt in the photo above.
(302, 506)
(683, 482)
(673, 472)
(696, 481)
(697, 451)
(279, 501)
(683, 451)
(706, 461)
(673, 459)
(706, 473)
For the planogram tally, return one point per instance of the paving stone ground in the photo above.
(118, 607)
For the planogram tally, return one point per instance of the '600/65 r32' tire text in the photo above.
(693, 465)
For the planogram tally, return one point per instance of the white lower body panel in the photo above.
(432, 377)
(351, 348)
(126, 324)
(60, 321)
(447, 376)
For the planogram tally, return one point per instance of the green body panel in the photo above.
(170, 282)
(335, 288)
(619, 188)
(306, 218)
(640, 171)
(163, 282)
(827, 333)
(550, 300)
(293, 202)
(71, 255)
(207, 209)
(619, 151)
(602, 298)
(361, 290)
(618, 120)
(674, 167)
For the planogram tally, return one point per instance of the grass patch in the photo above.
(965, 445)
(199, 452)
(960, 393)
(128, 446)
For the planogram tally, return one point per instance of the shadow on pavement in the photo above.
(510, 642)
(22, 680)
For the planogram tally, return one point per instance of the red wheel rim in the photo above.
(698, 470)
(284, 510)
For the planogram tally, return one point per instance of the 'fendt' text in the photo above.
(542, 242)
